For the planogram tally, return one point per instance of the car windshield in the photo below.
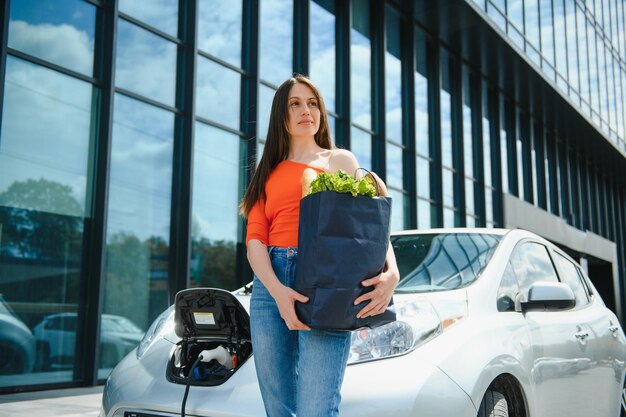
(439, 262)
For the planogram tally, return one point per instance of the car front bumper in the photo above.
(403, 386)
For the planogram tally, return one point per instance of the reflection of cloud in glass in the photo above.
(447, 187)
(45, 127)
(397, 210)
(322, 51)
(146, 63)
(446, 129)
(361, 147)
(394, 165)
(423, 214)
(360, 81)
(276, 42)
(161, 14)
(423, 177)
(215, 183)
(219, 29)
(393, 97)
(467, 142)
(63, 45)
(421, 114)
(469, 196)
(217, 93)
(266, 95)
(141, 169)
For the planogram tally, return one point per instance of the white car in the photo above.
(490, 323)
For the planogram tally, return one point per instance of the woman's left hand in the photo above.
(380, 296)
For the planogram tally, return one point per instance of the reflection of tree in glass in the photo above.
(213, 263)
(30, 229)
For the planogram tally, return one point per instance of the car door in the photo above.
(603, 380)
(558, 354)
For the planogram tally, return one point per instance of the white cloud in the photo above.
(61, 44)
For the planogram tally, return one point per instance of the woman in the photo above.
(300, 370)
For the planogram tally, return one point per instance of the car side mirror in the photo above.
(545, 295)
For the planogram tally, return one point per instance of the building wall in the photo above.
(128, 129)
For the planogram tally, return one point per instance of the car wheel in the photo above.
(493, 405)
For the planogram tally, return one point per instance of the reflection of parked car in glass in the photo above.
(17, 344)
(56, 339)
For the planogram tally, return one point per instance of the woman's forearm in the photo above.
(261, 265)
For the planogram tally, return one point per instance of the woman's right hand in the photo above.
(286, 298)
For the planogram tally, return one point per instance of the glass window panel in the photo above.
(469, 197)
(489, 210)
(218, 91)
(520, 160)
(146, 63)
(447, 185)
(448, 217)
(397, 210)
(322, 49)
(360, 65)
(602, 77)
(220, 28)
(215, 198)
(138, 229)
(486, 143)
(393, 77)
(446, 112)
(496, 11)
(515, 29)
(423, 214)
(276, 41)
(504, 147)
(421, 95)
(394, 166)
(44, 172)
(423, 177)
(572, 44)
(161, 14)
(59, 31)
(331, 125)
(37, 142)
(531, 11)
(610, 80)
(361, 146)
(547, 30)
(266, 95)
(593, 67)
(560, 38)
(468, 151)
(583, 62)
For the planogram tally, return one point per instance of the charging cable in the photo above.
(197, 361)
(220, 354)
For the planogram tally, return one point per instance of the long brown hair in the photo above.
(277, 142)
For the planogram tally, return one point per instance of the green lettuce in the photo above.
(343, 183)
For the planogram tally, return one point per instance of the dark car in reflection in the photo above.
(17, 343)
(56, 339)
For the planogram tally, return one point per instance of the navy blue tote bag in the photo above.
(342, 240)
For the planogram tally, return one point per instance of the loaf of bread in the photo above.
(308, 176)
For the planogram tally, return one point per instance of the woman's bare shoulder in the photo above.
(343, 159)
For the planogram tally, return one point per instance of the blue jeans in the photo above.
(299, 372)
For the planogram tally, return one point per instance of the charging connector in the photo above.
(220, 354)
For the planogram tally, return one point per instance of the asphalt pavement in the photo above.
(72, 402)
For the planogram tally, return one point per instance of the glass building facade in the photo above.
(128, 129)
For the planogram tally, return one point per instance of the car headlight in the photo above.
(163, 325)
(417, 322)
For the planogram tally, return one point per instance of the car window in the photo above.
(531, 263)
(438, 262)
(570, 275)
(509, 289)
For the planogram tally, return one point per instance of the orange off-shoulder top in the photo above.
(275, 220)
